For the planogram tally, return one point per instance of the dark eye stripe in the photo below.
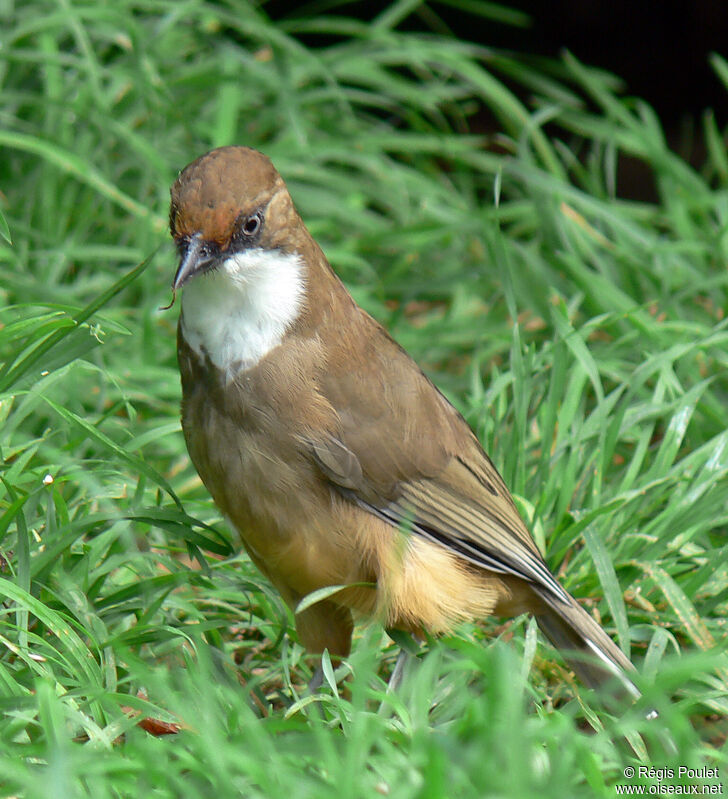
(247, 228)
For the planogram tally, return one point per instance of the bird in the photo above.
(335, 459)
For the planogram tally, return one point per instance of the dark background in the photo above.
(660, 49)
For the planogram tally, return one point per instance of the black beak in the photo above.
(197, 258)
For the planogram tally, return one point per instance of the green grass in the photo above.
(604, 405)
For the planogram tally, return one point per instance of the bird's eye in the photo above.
(251, 225)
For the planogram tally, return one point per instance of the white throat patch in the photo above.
(239, 312)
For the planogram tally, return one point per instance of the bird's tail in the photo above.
(588, 650)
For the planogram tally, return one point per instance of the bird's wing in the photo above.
(405, 454)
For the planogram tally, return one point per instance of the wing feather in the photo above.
(480, 526)
(405, 454)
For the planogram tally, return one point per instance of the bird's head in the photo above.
(227, 203)
(245, 257)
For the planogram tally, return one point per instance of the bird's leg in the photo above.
(408, 648)
(324, 628)
(316, 681)
(397, 675)
(317, 678)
